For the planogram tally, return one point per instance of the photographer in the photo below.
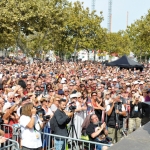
(115, 114)
(135, 113)
(62, 118)
(30, 124)
(48, 115)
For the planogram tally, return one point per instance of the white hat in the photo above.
(65, 88)
(6, 106)
(135, 82)
(141, 82)
(78, 94)
(115, 79)
(127, 83)
(109, 79)
(16, 94)
(63, 80)
(101, 77)
(13, 87)
(73, 95)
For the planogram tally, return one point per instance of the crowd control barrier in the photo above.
(56, 142)
(11, 132)
(49, 141)
(10, 145)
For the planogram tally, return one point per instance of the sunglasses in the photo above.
(47, 101)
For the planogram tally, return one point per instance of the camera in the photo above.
(41, 113)
(72, 107)
(47, 117)
(38, 93)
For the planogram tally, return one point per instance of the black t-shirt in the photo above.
(135, 110)
(91, 129)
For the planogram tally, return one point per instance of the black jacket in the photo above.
(61, 123)
(137, 113)
(115, 118)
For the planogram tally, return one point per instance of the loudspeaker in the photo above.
(145, 112)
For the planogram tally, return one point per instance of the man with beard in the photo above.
(97, 132)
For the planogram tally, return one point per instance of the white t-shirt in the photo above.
(30, 137)
(108, 107)
(48, 113)
(53, 107)
(18, 111)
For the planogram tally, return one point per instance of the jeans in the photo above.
(98, 147)
(59, 144)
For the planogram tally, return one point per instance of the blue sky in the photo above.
(135, 9)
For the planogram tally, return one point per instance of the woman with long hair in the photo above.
(97, 104)
(30, 126)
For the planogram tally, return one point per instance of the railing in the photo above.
(10, 145)
(11, 132)
(49, 141)
(58, 142)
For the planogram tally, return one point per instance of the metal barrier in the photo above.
(10, 145)
(66, 143)
(49, 141)
(11, 132)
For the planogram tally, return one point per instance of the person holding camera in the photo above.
(48, 115)
(135, 113)
(30, 126)
(60, 120)
(115, 114)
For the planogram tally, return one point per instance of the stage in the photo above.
(138, 140)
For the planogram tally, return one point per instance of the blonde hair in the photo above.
(26, 109)
(56, 97)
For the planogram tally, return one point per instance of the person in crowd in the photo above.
(41, 79)
(48, 112)
(147, 98)
(10, 117)
(115, 113)
(62, 118)
(97, 105)
(30, 126)
(97, 131)
(135, 113)
(2, 102)
(55, 104)
(79, 114)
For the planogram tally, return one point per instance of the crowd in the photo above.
(106, 98)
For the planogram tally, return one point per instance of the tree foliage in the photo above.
(139, 33)
(40, 25)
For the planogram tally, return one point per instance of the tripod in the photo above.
(72, 128)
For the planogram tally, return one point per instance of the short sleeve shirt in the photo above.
(30, 137)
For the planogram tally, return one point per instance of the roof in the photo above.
(125, 62)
